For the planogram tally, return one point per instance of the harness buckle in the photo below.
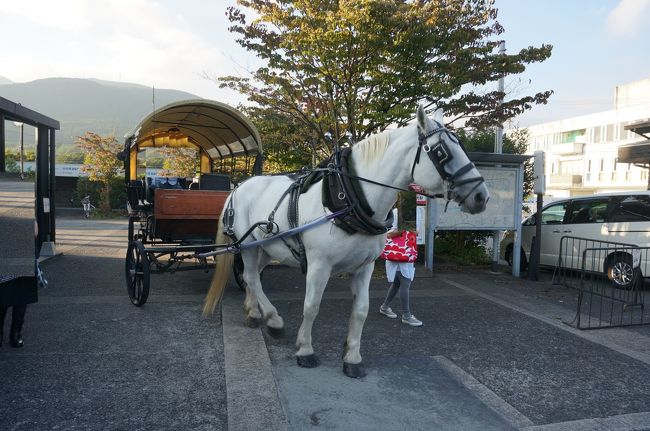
(440, 153)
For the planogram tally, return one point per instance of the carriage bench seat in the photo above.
(187, 215)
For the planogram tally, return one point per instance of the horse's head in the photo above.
(453, 174)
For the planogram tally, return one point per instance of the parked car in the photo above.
(617, 217)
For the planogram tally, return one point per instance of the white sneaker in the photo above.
(411, 320)
(386, 311)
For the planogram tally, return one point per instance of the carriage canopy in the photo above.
(219, 132)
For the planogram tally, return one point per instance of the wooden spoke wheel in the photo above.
(137, 273)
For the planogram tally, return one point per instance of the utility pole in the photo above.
(498, 148)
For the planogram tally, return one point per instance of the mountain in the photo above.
(4, 80)
(82, 105)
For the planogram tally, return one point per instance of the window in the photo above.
(609, 132)
(631, 208)
(588, 211)
(554, 214)
(589, 166)
(597, 134)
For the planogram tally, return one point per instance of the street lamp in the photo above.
(20, 126)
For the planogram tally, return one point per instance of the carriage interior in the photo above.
(174, 209)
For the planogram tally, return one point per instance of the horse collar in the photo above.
(341, 191)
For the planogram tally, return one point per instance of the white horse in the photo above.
(397, 161)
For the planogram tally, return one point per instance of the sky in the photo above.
(597, 44)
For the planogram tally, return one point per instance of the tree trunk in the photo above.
(105, 205)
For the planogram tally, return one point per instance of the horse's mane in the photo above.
(373, 147)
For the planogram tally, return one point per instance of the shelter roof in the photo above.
(640, 128)
(220, 130)
(16, 112)
(638, 152)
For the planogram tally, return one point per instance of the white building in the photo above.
(581, 152)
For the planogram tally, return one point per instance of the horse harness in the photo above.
(440, 155)
(342, 194)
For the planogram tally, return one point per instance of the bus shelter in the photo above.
(45, 167)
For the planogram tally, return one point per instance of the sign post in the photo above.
(539, 187)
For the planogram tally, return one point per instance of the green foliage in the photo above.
(359, 66)
(288, 144)
(515, 142)
(69, 154)
(153, 158)
(85, 187)
(29, 155)
(12, 161)
(465, 250)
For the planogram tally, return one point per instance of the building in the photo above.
(582, 152)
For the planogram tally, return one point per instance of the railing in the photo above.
(609, 278)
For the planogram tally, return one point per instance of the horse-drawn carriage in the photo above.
(174, 219)
(325, 220)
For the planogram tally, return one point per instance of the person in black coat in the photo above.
(16, 293)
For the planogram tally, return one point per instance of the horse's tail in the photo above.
(223, 267)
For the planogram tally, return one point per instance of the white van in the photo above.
(617, 217)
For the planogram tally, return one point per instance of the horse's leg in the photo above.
(352, 365)
(252, 314)
(317, 277)
(256, 304)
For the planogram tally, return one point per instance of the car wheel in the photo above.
(619, 270)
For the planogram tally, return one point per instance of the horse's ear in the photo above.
(422, 118)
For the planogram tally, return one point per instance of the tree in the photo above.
(179, 162)
(355, 66)
(514, 142)
(101, 163)
(288, 144)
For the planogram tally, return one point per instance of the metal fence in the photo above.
(610, 280)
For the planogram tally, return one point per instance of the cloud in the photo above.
(150, 42)
(626, 19)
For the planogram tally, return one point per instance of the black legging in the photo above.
(402, 284)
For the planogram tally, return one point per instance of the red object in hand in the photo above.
(416, 188)
(401, 248)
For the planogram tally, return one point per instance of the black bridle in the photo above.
(440, 155)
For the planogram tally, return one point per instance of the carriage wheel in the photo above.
(137, 273)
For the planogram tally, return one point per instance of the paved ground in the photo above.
(493, 353)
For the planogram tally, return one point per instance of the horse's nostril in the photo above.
(479, 198)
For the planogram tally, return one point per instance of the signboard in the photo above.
(420, 223)
(501, 212)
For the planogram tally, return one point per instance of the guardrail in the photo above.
(610, 279)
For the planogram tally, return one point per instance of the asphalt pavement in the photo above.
(494, 353)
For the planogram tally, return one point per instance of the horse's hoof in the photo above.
(356, 371)
(309, 361)
(252, 322)
(275, 332)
